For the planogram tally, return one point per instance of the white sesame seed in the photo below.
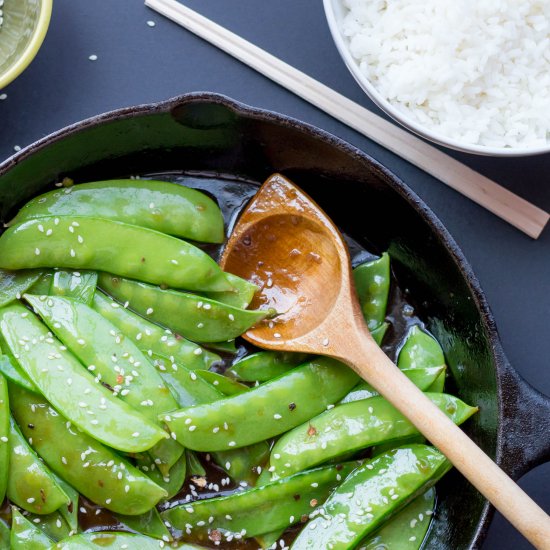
(135, 434)
(192, 428)
(37, 251)
(149, 311)
(93, 57)
(277, 416)
(4, 439)
(231, 444)
(193, 376)
(17, 148)
(30, 500)
(151, 23)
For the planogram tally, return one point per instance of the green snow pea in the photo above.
(194, 465)
(11, 370)
(421, 377)
(79, 285)
(160, 205)
(115, 541)
(70, 388)
(243, 464)
(26, 535)
(69, 511)
(264, 411)
(407, 529)
(151, 337)
(195, 317)
(371, 494)
(265, 365)
(379, 332)
(100, 245)
(117, 360)
(372, 282)
(149, 524)
(259, 510)
(42, 285)
(422, 350)
(4, 536)
(13, 284)
(31, 484)
(5, 450)
(171, 482)
(351, 427)
(229, 346)
(53, 525)
(239, 297)
(94, 470)
(186, 387)
(222, 383)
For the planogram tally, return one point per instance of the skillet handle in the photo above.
(526, 413)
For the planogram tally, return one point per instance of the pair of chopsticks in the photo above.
(510, 207)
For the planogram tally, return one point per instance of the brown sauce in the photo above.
(232, 195)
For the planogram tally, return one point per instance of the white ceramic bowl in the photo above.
(335, 12)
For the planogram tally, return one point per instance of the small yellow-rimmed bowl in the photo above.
(24, 26)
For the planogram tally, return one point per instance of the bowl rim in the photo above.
(400, 117)
(29, 53)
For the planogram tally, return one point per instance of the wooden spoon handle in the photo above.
(367, 359)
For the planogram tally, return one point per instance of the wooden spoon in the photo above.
(289, 247)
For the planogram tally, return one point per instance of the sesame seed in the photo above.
(193, 376)
(192, 428)
(30, 500)
(17, 148)
(73, 253)
(198, 351)
(231, 444)
(276, 335)
(151, 23)
(325, 342)
(37, 251)
(93, 57)
(135, 434)
(277, 416)
(149, 311)
(3, 97)
(4, 439)
(108, 500)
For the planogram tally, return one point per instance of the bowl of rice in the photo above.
(467, 74)
(23, 26)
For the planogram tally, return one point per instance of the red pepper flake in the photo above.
(304, 518)
(215, 535)
(119, 379)
(313, 502)
(311, 430)
(297, 497)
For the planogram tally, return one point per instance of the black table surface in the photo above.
(137, 63)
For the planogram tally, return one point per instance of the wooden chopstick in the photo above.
(510, 207)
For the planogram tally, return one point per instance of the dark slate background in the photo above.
(138, 64)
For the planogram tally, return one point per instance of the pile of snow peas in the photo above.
(131, 418)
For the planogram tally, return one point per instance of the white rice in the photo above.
(477, 71)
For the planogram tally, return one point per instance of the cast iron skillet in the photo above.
(210, 133)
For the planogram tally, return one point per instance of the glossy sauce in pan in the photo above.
(232, 195)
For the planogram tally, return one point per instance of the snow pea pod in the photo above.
(70, 388)
(228, 346)
(5, 450)
(194, 465)
(99, 245)
(195, 317)
(4, 536)
(115, 541)
(79, 285)
(422, 378)
(94, 470)
(264, 411)
(11, 370)
(372, 282)
(379, 332)
(407, 529)
(240, 296)
(31, 484)
(160, 205)
(149, 524)
(242, 464)
(222, 383)
(116, 359)
(265, 365)
(351, 427)
(69, 511)
(171, 482)
(13, 284)
(42, 285)
(186, 387)
(151, 337)
(422, 350)
(27, 536)
(371, 494)
(260, 510)
(52, 525)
